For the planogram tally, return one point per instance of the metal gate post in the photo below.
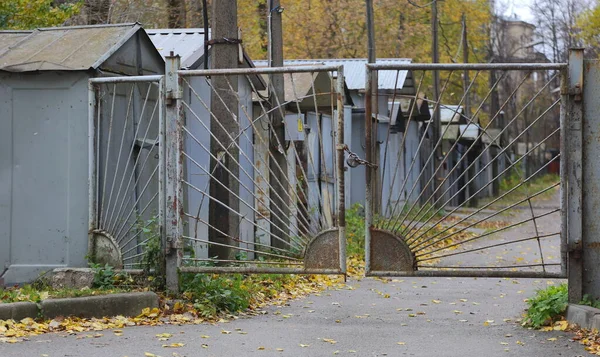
(571, 176)
(369, 171)
(341, 170)
(173, 165)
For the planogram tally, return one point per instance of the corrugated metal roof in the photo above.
(63, 48)
(354, 71)
(187, 43)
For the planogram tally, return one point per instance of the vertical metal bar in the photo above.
(162, 154)
(341, 170)
(574, 141)
(92, 223)
(564, 187)
(174, 172)
(369, 171)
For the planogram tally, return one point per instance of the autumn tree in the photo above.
(589, 24)
(29, 14)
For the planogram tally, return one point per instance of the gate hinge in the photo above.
(173, 245)
(172, 96)
(575, 249)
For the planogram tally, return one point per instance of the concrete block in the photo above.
(127, 304)
(582, 315)
(76, 278)
(18, 311)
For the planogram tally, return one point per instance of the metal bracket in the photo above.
(224, 40)
(575, 249)
(171, 96)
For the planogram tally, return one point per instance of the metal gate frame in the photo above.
(94, 120)
(570, 172)
(174, 175)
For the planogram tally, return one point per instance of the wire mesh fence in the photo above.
(260, 178)
(125, 169)
(466, 183)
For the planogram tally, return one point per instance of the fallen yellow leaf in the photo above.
(401, 343)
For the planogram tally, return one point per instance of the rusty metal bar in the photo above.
(573, 134)
(265, 70)
(258, 270)
(341, 168)
(469, 274)
(173, 172)
(370, 172)
(92, 170)
(129, 79)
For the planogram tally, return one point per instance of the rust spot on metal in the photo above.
(594, 245)
(323, 251)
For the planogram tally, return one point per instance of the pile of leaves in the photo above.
(206, 298)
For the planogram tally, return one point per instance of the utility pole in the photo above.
(373, 155)
(467, 109)
(437, 127)
(278, 164)
(370, 32)
(223, 215)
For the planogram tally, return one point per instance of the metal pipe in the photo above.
(340, 168)
(92, 204)
(131, 79)
(467, 66)
(242, 71)
(258, 270)
(369, 171)
(469, 274)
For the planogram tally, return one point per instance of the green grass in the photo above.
(213, 294)
(523, 190)
(547, 306)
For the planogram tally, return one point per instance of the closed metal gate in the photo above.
(126, 188)
(219, 171)
(480, 192)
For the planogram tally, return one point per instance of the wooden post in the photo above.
(224, 215)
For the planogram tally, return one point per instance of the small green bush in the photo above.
(215, 294)
(547, 306)
(355, 230)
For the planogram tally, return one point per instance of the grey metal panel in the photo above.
(124, 59)
(411, 152)
(393, 175)
(49, 204)
(328, 177)
(348, 142)
(197, 124)
(187, 43)
(357, 145)
(66, 48)
(6, 155)
(313, 167)
(246, 164)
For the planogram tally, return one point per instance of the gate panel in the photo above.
(465, 184)
(125, 169)
(258, 196)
